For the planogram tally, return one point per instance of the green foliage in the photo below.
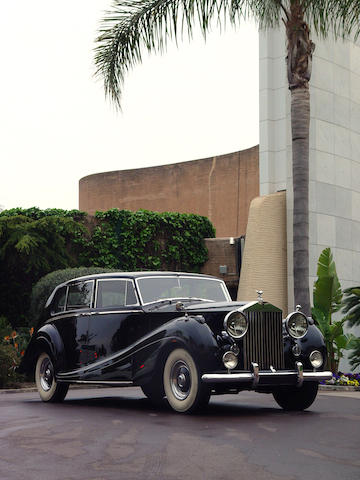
(12, 347)
(136, 26)
(351, 305)
(28, 250)
(35, 213)
(327, 297)
(7, 365)
(327, 293)
(145, 240)
(34, 243)
(354, 357)
(44, 287)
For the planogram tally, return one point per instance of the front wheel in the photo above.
(182, 383)
(49, 389)
(296, 399)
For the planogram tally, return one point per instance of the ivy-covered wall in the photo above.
(35, 242)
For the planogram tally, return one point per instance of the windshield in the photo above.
(157, 288)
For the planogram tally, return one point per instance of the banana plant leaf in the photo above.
(327, 293)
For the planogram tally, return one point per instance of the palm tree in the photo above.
(135, 26)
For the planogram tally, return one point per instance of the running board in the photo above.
(109, 383)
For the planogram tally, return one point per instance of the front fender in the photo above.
(188, 332)
(47, 339)
(313, 340)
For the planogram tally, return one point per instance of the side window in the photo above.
(115, 293)
(79, 295)
(58, 303)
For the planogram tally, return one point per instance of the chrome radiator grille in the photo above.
(263, 342)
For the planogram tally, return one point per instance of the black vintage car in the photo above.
(175, 335)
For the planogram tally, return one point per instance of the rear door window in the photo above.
(80, 295)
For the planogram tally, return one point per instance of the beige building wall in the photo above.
(264, 265)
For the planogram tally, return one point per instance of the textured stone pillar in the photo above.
(264, 265)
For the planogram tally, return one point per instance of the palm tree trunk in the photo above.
(300, 49)
(300, 125)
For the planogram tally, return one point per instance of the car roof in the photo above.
(134, 275)
(130, 275)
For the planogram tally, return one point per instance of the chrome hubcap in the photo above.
(46, 374)
(180, 380)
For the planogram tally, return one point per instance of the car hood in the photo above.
(213, 306)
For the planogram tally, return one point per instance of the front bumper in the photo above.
(268, 378)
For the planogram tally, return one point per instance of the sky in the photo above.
(56, 126)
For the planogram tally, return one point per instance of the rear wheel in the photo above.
(182, 383)
(49, 389)
(293, 398)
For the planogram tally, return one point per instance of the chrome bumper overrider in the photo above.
(256, 377)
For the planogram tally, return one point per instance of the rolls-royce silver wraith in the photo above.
(175, 335)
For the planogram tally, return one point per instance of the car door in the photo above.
(116, 323)
(73, 323)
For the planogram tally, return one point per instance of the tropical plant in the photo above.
(327, 297)
(136, 26)
(351, 306)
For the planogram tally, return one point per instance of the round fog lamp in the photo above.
(230, 360)
(316, 359)
(296, 350)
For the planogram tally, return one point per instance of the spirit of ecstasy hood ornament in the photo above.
(260, 299)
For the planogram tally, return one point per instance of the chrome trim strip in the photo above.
(247, 377)
(116, 311)
(114, 383)
(317, 376)
(119, 356)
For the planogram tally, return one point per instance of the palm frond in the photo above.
(136, 26)
(340, 17)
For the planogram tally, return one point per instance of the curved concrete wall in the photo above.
(220, 188)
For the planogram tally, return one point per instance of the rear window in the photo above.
(58, 303)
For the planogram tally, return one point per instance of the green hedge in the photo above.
(35, 242)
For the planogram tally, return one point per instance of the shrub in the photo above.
(7, 365)
(12, 347)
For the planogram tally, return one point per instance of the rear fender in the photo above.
(47, 339)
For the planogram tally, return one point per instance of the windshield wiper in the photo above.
(156, 304)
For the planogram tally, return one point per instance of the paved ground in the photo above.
(106, 434)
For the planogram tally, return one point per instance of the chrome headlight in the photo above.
(236, 324)
(297, 324)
